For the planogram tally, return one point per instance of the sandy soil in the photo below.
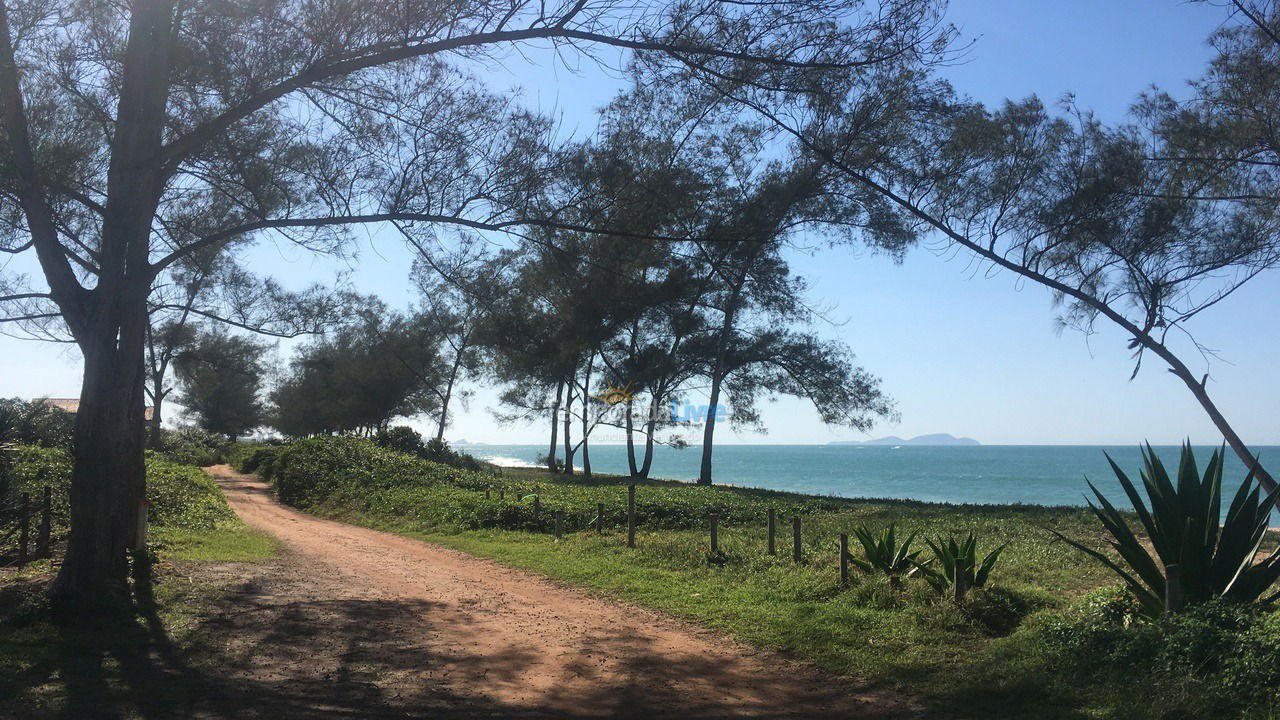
(387, 625)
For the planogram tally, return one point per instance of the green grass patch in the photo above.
(1047, 639)
(232, 542)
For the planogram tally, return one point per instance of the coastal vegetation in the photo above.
(1040, 628)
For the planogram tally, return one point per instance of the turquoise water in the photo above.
(1039, 475)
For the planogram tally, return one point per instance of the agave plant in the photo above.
(1196, 558)
(884, 553)
(958, 569)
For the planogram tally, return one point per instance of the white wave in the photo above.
(505, 461)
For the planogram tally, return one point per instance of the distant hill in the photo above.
(934, 439)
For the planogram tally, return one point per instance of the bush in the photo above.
(181, 496)
(407, 440)
(1217, 659)
(311, 471)
(35, 423)
(193, 446)
(252, 457)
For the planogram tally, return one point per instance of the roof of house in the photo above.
(72, 405)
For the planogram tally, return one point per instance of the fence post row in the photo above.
(795, 537)
(631, 515)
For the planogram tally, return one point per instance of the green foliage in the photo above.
(311, 471)
(1217, 659)
(181, 496)
(192, 446)
(401, 438)
(884, 553)
(1182, 526)
(35, 423)
(957, 568)
(221, 378)
(438, 450)
(252, 457)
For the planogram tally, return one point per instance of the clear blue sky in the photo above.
(961, 352)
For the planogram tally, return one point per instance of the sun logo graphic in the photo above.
(615, 394)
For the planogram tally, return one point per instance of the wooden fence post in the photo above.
(46, 521)
(844, 558)
(1172, 588)
(773, 546)
(631, 515)
(24, 518)
(140, 539)
(795, 537)
(715, 533)
(599, 518)
(559, 524)
(537, 509)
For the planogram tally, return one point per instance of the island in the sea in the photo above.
(933, 439)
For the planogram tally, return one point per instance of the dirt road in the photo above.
(359, 623)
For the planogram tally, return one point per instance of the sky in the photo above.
(961, 350)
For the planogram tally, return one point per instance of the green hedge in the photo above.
(181, 496)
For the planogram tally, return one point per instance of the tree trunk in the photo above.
(448, 390)
(153, 425)
(568, 443)
(717, 380)
(555, 427)
(648, 448)
(108, 475)
(631, 443)
(586, 412)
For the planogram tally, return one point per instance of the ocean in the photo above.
(1001, 474)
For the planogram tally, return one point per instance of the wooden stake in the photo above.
(715, 533)
(599, 518)
(631, 516)
(559, 524)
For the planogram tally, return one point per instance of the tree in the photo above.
(361, 377)
(1144, 225)
(221, 379)
(134, 136)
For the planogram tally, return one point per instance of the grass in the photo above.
(903, 638)
(91, 665)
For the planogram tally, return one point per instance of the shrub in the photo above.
(1216, 659)
(1182, 525)
(35, 423)
(251, 457)
(884, 553)
(958, 569)
(401, 438)
(192, 446)
(311, 471)
(180, 495)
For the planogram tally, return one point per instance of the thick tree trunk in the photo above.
(108, 475)
(555, 427)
